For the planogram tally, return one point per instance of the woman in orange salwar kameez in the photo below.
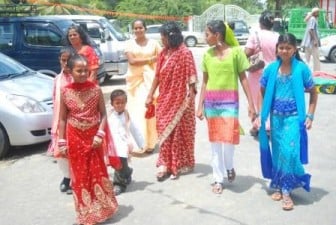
(175, 110)
(83, 137)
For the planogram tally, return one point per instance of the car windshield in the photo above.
(10, 68)
(115, 30)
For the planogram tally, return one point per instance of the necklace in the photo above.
(285, 70)
(141, 42)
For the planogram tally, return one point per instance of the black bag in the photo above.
(257, 60)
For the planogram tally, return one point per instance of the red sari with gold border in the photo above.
(93, 191)
(175, 111)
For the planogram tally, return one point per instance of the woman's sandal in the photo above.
(276, 196)
(161, 176)
(217, 188)
(287, 203)
(162, 173)
(231, 174)
(173, 177)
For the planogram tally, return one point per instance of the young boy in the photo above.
(122, 129)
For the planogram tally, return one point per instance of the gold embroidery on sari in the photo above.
(80, 98)
(82, 125)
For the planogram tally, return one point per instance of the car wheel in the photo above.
(191, 41)
(4, 142)
(332, 55)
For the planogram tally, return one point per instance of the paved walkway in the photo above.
(29, 192)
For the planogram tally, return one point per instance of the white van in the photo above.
(109, 38)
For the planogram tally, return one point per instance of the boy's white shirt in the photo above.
(122, 135)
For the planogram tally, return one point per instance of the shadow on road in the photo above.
(114, 81)
(16, 153)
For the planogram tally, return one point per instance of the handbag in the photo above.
(257, 60)
(150, 112)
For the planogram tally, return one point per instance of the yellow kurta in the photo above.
(138, 82)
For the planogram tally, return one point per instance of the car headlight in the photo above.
(25, 104)
(324, 42)
(122, 56)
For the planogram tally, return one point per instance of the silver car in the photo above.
(25, 105)
(191, 38)
(328, 48)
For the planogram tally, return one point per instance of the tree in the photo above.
(280, 5)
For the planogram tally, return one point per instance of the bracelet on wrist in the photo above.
(100, 133)
(310, 116)
(61, 142)
(97, 139)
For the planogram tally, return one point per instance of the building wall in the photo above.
(329, 5)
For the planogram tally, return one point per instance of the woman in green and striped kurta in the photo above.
(223, 64)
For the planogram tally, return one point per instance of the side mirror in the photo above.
(107, 35)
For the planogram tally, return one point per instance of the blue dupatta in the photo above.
(298, 68)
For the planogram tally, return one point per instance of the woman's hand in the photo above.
(62, 147)
(252, 113)
(256, 123)
(97, 141)
(200, 113)
(308, 123)
(149, 100)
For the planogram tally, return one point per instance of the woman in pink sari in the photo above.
(84, 139)
(60, 81)
(175, 111)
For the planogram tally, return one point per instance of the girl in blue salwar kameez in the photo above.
(283, 85)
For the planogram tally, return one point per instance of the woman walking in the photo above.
(175, 111)
(142, 55)
(83, 138)
(224, 63)
(283, 84)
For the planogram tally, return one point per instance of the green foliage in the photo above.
(288, 4)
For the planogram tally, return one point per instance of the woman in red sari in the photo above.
(80, 41)
(83, 137)
(176, 78)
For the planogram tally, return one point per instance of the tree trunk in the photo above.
(277, 8)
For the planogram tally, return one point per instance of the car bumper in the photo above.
(116, 68)
(26, 129)
(324, 51)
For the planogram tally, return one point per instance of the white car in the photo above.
(25, 105)
(328, 48)
(191, 39)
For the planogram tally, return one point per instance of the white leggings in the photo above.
(222, 160)
(63, 164)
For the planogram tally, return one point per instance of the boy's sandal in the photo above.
(217, 188)
(231, 174)
(173, 177)
(276, 196)
(149, 150)
(287, 203)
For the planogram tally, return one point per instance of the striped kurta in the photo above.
(221, 102)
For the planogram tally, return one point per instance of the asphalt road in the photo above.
(29, 182)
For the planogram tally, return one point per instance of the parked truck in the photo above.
(293, 22)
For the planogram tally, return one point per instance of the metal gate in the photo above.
(218, 12)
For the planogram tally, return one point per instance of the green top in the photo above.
(223, 73)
